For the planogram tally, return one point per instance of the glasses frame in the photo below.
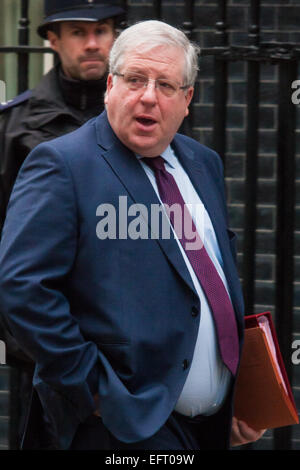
(179, 87)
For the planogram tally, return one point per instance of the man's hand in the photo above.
(241, 433)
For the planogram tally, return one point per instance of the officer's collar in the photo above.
(82, 94)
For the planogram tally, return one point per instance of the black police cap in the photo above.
(77, 10)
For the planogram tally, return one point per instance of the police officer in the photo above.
(81, 32)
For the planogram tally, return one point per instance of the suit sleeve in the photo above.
(37, 252)
(2, 153)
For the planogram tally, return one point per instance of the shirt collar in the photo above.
(168, 155)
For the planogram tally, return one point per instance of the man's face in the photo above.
(83, 48)
(146, 120)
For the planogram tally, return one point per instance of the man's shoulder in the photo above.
(205, 156)
(18, 100)
(72, 143)
(196, 146)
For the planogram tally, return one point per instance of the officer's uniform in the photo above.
(56, 106)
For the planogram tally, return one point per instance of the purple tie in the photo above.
(204, 268)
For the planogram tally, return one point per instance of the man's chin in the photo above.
(92, 74)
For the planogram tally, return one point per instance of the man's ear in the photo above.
(188, 97)
(109, 82)
(109, 85)
(53, 40)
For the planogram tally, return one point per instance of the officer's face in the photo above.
(83, 48)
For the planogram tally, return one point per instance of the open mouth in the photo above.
(145, 121)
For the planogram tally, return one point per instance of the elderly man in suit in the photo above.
(136, 330)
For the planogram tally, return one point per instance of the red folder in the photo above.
(263, 398)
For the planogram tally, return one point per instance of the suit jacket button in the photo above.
(185, 364)
(195, 311)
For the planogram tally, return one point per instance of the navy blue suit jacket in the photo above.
(110, 316)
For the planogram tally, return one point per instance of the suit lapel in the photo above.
(203, 184)
(131, 174)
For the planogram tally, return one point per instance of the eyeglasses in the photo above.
(135, 81)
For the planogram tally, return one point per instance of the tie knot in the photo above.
(156, 163)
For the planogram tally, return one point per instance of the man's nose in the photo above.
(92, 42)
(149, 92)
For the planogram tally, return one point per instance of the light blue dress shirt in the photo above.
(208, 380)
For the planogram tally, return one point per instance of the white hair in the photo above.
(152, 33)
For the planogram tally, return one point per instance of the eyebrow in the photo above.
(160, 77)
(142, 72)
